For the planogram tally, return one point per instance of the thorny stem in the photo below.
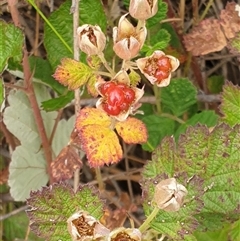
(106, 65)
(31, 95)
(157, 93)
(146, 223)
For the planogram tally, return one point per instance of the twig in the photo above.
(14, 212)
(31, 94)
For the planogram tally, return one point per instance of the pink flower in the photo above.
(91, 40)
(143, 9)
(158, 67)
(127, 39)
(119, 99)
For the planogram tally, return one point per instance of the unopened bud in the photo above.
(169, 195)
(91, 39)
(143, 9)
(127, 39)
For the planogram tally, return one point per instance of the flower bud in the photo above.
(169, 195)
(126, 234)
(84, 227)
(91, 39)
(143, 9)
(158, 67)
(127, 39)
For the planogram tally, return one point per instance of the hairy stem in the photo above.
(75, 11)
(147, 222)
(31, 95)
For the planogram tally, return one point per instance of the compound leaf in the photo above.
(99, 141)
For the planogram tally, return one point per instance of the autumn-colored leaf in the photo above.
(90, 116)
(132, 131)
(65, 164)
(98, 140)
(75, 74)
(101, 145)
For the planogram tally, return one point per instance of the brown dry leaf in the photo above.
(65, 164)
(230, 20)
(205, 38)
(4, 175)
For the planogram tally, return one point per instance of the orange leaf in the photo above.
(90, 116)
(132, 131)
(99, 141)
(100, 144)
(72, 73)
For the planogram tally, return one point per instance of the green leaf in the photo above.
(207, 117)
(27, 172)
(59, 102)
(43, 72)
(179, 96)
(221, 234)
(207, 164)
(235, 231)
(15, 228)
(161, 39)
(161, 14)
(231, 104)
(52, 206)
(11, 42)
(56, 50)
(158, 128)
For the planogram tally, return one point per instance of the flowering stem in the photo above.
(157, 93)
(146, 223)
(101, 56)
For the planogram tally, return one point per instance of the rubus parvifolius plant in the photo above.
(190, 188)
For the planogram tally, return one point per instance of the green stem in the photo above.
(147, 222)
(50, 25)
(103, 73)
(157, 93)
(206, 10)
(173, 118)
(106, 65)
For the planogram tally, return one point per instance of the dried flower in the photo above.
(127, 39)
(91, 40)
(126, 234)
(143, 9)
(169, 195)
(84, 227)
(158, 67)
(119, 99)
